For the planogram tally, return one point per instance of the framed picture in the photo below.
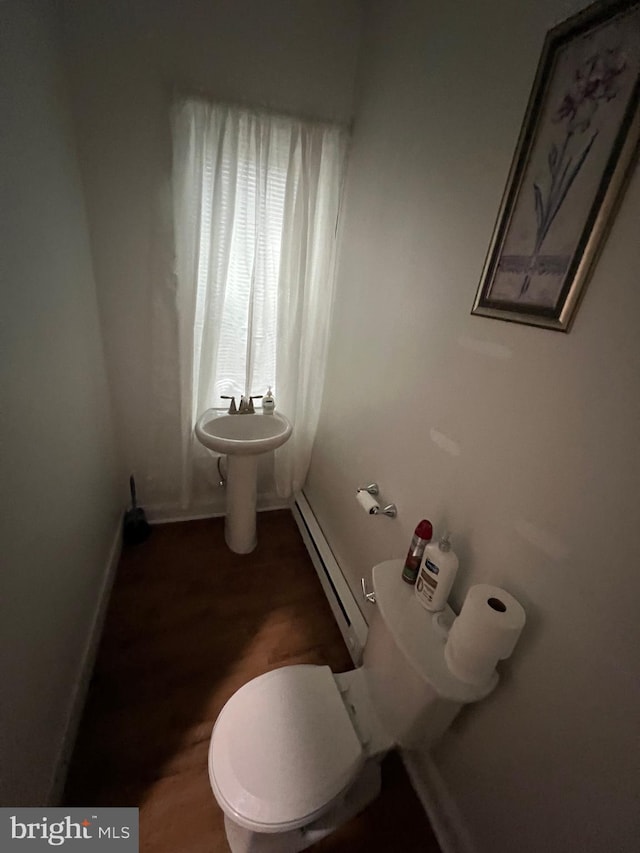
(576, 147)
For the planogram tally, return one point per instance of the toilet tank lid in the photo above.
(283, 747)
(419, 637)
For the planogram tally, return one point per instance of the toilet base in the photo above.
(363, 791)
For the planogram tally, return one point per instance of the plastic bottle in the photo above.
(268, 403)
(422, 535)
(437, 574)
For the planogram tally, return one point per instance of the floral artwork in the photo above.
(593, 82)
(576, 145)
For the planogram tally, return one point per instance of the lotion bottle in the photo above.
(437, 574)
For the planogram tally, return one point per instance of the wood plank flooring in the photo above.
(189, 623)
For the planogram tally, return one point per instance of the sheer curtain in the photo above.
(256, 200)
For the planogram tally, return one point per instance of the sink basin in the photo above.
(243, 435)
(241, 438)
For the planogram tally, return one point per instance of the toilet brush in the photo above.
(135, 527)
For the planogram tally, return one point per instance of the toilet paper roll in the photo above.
(486, 631)
(367, 501)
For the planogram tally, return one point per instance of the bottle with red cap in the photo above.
(421, 538)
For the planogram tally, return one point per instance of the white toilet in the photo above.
(295, 752)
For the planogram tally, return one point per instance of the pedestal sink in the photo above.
(242, 438)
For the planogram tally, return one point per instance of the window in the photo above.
(256, 199)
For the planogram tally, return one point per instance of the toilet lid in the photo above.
(282, 748)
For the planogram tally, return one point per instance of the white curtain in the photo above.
(256, 199)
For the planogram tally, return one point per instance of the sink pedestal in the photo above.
(242, 490)
(243, 439)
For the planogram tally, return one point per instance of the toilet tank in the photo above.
(414, 694)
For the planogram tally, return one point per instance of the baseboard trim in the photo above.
(172, 514)
(56, 788)
(159, 516)
(443, 813)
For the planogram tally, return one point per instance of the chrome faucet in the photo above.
(232, 405)
(246, 404)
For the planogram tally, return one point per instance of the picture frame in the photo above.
(578, 142)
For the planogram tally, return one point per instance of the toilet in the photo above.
(296, 752)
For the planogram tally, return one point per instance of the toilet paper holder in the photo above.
(390, 510)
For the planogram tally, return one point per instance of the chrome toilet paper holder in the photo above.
(390, 510)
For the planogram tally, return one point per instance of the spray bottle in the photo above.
(421, 536)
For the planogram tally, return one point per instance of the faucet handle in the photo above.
(253, 397)
(232, 405)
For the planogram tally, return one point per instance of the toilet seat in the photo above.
(282, 748)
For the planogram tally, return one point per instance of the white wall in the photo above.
(126, 59)
(60, 511)
(523, 442)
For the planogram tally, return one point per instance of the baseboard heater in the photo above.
(341, 600)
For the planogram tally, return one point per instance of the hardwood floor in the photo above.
(189, 623)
